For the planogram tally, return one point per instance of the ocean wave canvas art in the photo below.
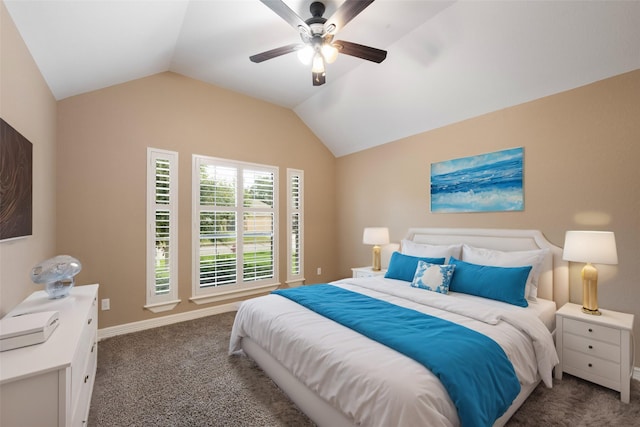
(484, 183)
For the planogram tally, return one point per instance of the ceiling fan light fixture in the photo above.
(305, 55)
(318, 64)
(329, 52)
(304, 31)
(317, 28)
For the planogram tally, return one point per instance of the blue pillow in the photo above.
(433, 277)
(403, 267)
(504, 284)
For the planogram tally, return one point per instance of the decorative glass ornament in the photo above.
(57, 274)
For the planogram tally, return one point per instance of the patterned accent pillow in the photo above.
(433, 277)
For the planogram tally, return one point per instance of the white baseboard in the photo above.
(142, 325)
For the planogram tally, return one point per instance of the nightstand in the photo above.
(596, 348)
(367, 272)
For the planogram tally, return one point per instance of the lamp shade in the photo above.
(597, 247)
(375, 236)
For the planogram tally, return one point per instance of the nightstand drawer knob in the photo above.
(590, 347)
(590, 365)
(590, 330)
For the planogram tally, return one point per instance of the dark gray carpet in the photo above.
(181, 375)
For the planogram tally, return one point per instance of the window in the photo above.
(295, 226)
(162, 230)
(235, 228)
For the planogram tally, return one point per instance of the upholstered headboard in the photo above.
(554, 279)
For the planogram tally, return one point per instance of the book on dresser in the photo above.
(50, 383)
(22, 330)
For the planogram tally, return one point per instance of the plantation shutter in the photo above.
(218, 218)
(236, 215)
(163, 241)
(295, 211)
(162, 234)
(258, 225)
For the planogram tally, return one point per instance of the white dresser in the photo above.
(50, 384)
(596, 348)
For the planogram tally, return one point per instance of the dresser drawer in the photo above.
(81, 412)
(83, 363)
(592, 347)
(585, 329)
(590, 364)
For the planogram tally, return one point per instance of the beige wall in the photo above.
(102, 147)
(581, 154)
(27, 104)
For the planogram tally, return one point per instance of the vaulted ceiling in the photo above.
(447, 60)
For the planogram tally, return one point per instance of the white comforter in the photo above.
(371, 383)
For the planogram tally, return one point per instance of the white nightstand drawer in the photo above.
(367, 272)
(592, 365)
(591, 330)
(592, 347)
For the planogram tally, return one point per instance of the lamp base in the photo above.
(590, 290)
(375, 261)
(595, 312)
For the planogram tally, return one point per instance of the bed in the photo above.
(340, 377)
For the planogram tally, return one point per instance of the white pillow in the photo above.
(425, 250)
(496, 258)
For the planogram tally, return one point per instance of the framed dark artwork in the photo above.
(16, 183)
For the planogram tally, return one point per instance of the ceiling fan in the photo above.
(318, 47)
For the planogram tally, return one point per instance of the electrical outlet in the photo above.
(319, 271)
(106, 304)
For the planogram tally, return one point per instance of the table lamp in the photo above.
(376, 236)
(591, 247)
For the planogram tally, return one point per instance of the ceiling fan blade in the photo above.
(360, 51)
(319, 78)
(345, 13)
(259, 57)
(282, 10)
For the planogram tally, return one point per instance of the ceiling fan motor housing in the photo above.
(317, 10)
(316, 22)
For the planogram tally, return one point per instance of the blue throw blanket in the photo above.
(473, 368)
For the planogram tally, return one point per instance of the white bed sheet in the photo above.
(546, 312)
(543, 309)
(371, 383)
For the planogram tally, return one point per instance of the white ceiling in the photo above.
(447, 60)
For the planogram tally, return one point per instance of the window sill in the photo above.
(162, 306)
(233, 294)
(295, 283)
